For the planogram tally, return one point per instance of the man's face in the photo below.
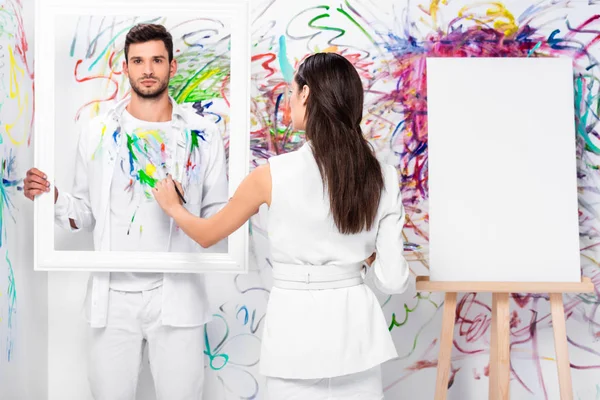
(148, 68)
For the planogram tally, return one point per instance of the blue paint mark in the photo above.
(286, 68)
(200, 134)
(12, 303)
(219, 118)
(116, 134)
(245, 310)
(537, 46)
(213, 354)
(277, 105)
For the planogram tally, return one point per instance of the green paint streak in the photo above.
(355, 22)
(191, 92)
(139, 145)
(7, 21)
(185, 86)
(416, 339)
(195, 144)
(110, 43)
(387, 301)
(579, 102)
(326, 28)
(130, 144)
(146, 179)
(407, 310)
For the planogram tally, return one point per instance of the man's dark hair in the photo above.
(142, 33)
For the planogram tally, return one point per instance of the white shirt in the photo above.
(203, 174)
(311, 334)
(137, 221)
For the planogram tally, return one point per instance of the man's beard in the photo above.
(150, 93)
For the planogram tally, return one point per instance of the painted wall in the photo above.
(23, 293)
(388, 42)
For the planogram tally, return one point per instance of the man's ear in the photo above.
(173, 68)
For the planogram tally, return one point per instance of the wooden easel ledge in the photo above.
(425, 285)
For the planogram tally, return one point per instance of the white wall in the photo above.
(388, 40)
(23, 374)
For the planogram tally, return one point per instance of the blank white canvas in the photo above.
(502, 170)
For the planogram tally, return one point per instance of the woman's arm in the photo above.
(254, 191)
(390, 268)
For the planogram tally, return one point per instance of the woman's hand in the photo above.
(371, 258)
(166, 196)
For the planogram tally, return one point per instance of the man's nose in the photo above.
(148, 68)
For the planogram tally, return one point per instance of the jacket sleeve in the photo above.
(390, 269)
(215, 190)
(76, 205)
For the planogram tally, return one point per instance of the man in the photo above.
(121, 156)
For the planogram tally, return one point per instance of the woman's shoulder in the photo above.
(391, 184)
(390, 174)
(291, 157)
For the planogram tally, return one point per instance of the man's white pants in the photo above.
(176, 355)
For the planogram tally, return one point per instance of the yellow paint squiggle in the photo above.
(434, 7)
(496, 14)
(15, 93)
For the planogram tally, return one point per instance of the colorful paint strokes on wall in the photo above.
(388, 43)
(16, 121)
(8, 190)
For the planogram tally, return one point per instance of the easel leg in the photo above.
(561, 347)
(500, 348)
(493, 371)
(446, 339)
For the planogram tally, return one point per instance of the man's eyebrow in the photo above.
(139, 57)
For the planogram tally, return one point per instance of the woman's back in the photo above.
(301, 228)
(327, 331)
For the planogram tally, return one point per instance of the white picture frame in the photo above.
(46, 257)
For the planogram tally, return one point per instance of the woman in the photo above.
(331, 206)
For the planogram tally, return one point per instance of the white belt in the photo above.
(316, 277)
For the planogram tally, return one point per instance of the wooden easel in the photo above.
(500, 340)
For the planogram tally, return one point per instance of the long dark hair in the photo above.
(348, 166)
